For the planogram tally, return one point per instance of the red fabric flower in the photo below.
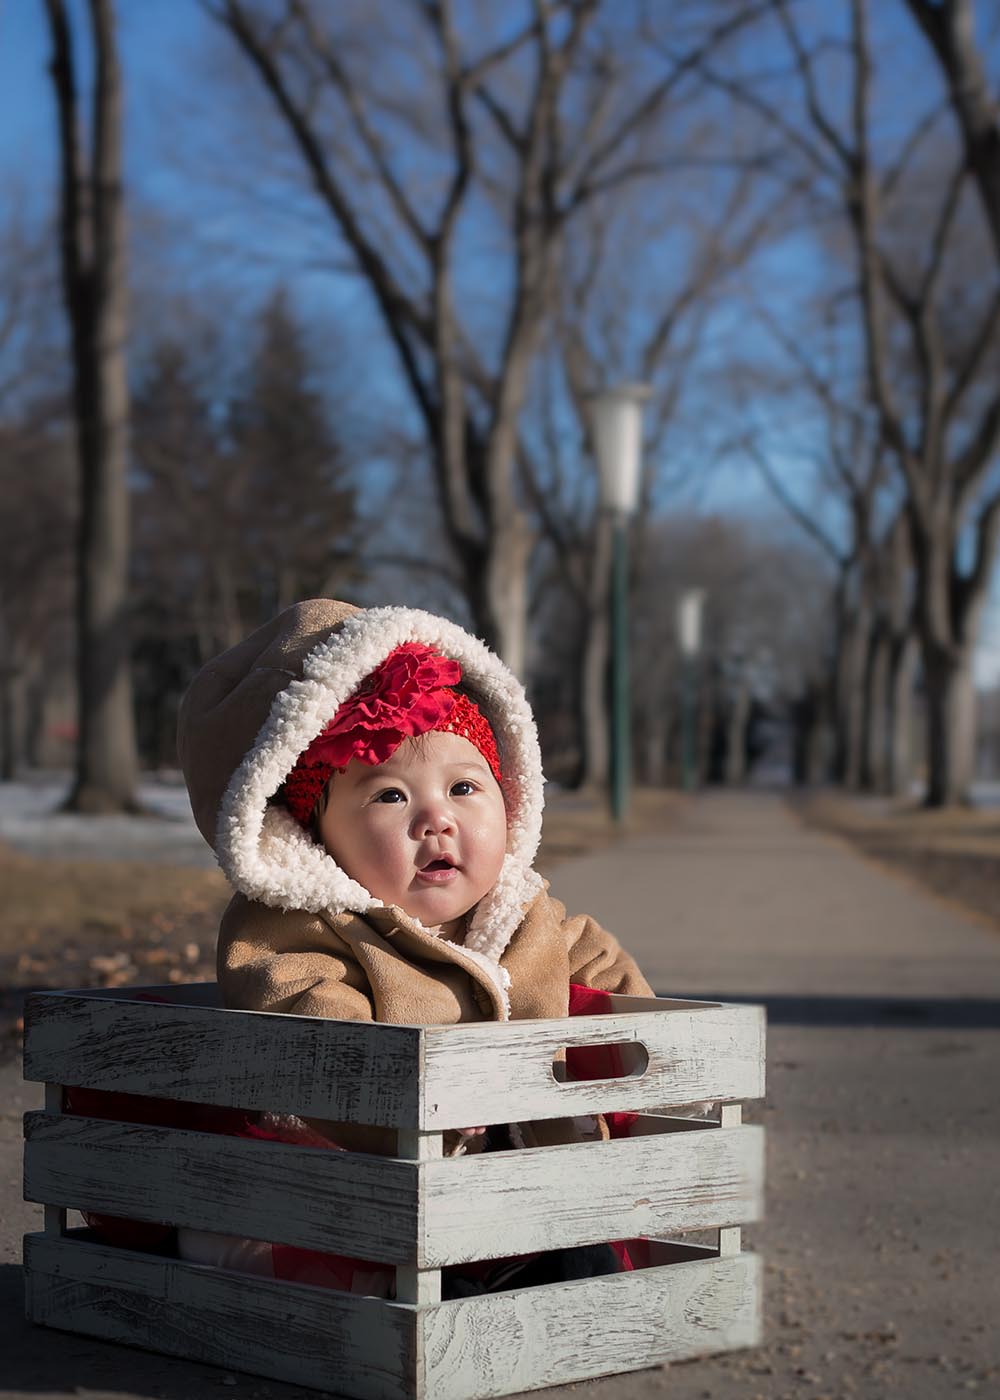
(407, 694)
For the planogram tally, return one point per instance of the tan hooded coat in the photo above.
(300, 935)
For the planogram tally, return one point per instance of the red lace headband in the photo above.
(409, 693)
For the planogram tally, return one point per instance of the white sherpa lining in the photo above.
(267, 855)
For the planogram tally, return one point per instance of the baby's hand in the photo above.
(457, 1141)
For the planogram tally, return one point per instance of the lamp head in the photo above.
(616, 416)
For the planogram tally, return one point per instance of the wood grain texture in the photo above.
(489, 1073)
(361, 1205)
(290, 1332)
(495, 1204)
(469, 1349)
(342, 1070)
(508, 1342)
(418, 1283)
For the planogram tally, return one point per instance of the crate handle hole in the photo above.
(576, 1064)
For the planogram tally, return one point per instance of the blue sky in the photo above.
(154, 36)
(169, 116)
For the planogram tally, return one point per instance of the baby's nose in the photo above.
(433, 820)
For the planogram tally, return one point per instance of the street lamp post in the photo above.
(617, 427)
(689, 616)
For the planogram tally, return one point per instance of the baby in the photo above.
(371, 783)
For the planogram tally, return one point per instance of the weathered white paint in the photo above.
(54, 1215)
(468, 1349)
(420, 1283)
(535, 1337)
(731, 1237)
(492, 1073)
(343, 1070)
(419, 1210)
(356, 1204)
(500, 1203)
(290, 1332)
(359, 1072)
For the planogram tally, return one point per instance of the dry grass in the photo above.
(73, 923)
(954, 852)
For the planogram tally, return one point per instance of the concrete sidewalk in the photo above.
(883, 1108)
(882, 1111)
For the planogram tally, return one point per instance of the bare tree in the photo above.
(36, 535)
(622, 314)
(523, 133)
(857, 518)
(938, 416)
(766, 632)
(950, 28)
(94, 290)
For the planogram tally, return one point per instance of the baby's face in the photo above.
(426, 830)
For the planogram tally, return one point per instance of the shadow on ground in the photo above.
(41, 1361)
(907, 1013)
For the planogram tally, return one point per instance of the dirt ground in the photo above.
(108, 923)
(954, 854)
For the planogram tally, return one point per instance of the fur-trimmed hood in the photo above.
(249, 714)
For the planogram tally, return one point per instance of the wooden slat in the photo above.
(361, 1205)
(341, 1070)
(469, 1349)
(290, 1332)
(730, 1238)
(488, 1073)
(494, 1204)
(55, 1216)
(418, 1283)
(509, 1342)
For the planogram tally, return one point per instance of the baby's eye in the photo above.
(390, 795)
(463, 788)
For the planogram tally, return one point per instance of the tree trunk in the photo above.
(951, 731)
(504, 620)
(903, 658)
(8, 742)
(736, 736)
(94, 286)
(594, 723)
(655, 745)
(809, 754)
(850, 699)
(875, 722)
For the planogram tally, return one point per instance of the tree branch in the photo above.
(807, 76)
(805, 519)
(654, 99)
(949, 26)
(370, 139)
(402, 316)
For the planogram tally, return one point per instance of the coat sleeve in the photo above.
(597, 959)
(270, 960)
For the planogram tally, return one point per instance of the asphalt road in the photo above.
(883, 1117)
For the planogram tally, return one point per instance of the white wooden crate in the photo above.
(417, 1211)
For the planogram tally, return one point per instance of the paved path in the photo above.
(882, 1112)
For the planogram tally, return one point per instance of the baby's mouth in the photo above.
(440, 870)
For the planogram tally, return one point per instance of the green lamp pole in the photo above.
(617, 428)
(689, 615)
